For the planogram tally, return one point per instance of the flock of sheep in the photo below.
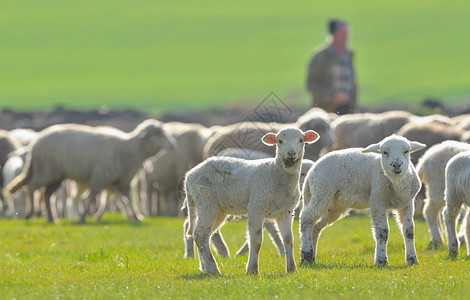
(322, 165)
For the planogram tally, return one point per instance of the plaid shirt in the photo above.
(329, 74)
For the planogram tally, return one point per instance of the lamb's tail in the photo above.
(22, 179)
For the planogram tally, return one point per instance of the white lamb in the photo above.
(431, 170)
(380, 177)
(457, 191)
(100, 157)
(265, 188)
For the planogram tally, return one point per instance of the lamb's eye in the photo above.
(385, 153)
(406, 152)
(301, 140)
(280, 141)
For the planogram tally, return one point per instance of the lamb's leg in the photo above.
(149, 198)
(102, 204)
(188, 241)
(451, 212)
(219, 244)
(467, 231)
(308, 218)
(29, 211)
(132, 211)
(463, 228)
(275, 236)
(329, 217)
(86, 200)
(381, 230)
(202, 233)
(405, 218)
(50, 203)
(255, 231)
(285, 227)
(431, 212)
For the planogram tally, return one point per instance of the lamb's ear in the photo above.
(374, 148)
(269, 139)
(415, 146)
(311, 136)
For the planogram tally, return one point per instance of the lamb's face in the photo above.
(395, 152)
(395, 156)
(290, 143)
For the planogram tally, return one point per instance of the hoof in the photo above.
(306, 257)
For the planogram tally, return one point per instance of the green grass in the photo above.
(120, 259)
(166, 55)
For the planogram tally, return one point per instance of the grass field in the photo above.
(120, 259)
(166, 55)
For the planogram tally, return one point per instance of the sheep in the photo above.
(429, 134)
(100, 157)
(360, 130)
(247, 134)
(7, 145)
(264, 188)
(16, 206)
(431, 170)
(165, 172)
(457, 178)
(380, 176)
(217, 240)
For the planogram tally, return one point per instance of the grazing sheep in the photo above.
(380, 177)
(363, 129)
(429, 134)
(99, 157)
(431, 170)
(264, 188)
(457, 176)
(246, 135)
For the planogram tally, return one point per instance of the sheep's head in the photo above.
(395, 151)
(154, 137)
(320, 123)
(290, 143)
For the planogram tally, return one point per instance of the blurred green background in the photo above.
(173, 55)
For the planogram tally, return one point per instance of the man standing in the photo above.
(331, 76)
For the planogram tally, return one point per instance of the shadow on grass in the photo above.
(102, 223)
(202, 276)
(351, 266)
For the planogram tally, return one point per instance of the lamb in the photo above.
(100, 157)
(265, 188)
(431, 170)
(457, 176)
(217, 240)
(380, 177)
(430, 134)
(246, 135)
